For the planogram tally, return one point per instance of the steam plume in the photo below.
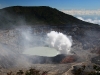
(60, 42)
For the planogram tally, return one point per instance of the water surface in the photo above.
(41, 51)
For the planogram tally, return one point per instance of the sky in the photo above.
(59, 4)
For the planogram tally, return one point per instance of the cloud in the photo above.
(82, 12)
(95, 20)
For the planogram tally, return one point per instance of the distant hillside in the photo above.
(42, 15)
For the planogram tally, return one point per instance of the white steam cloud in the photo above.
(60, 42)
(26, 35)
(95, 21)
(12, 44)
(82, 12)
